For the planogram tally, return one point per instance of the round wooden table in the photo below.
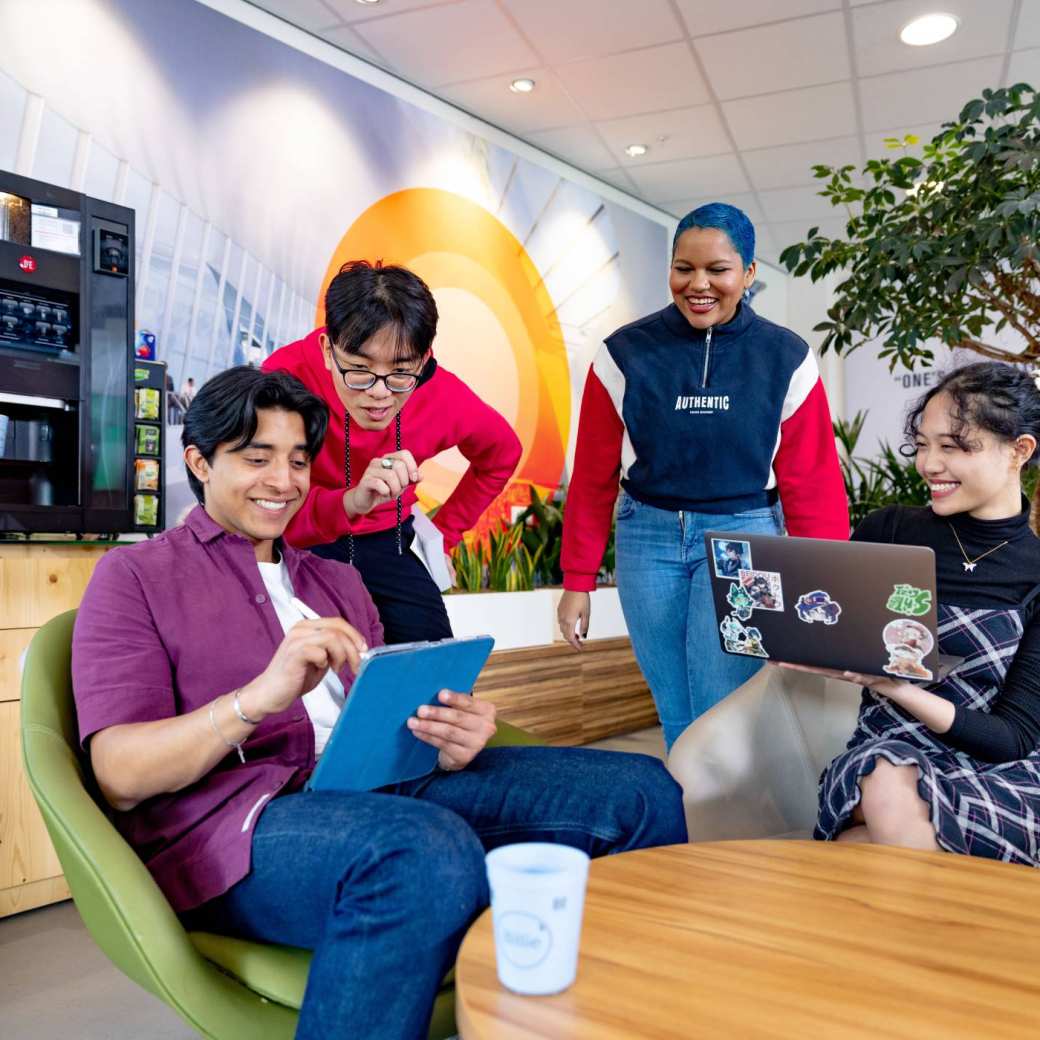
(750, 939)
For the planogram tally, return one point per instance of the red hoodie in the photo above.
(441, 413)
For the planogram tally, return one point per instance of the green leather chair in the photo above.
(224, 988)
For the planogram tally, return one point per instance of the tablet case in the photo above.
(371, 745)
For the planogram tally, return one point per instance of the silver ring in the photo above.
(386, 463)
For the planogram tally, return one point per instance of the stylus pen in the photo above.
(305, 610)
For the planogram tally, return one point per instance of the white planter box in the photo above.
(517, 619)
(514, 619)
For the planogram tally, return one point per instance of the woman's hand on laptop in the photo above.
(308, 651)
(459, 727)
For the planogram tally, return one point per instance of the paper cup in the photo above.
(537, 897)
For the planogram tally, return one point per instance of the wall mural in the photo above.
(256, 170)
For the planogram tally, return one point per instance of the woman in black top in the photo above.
(955, 765)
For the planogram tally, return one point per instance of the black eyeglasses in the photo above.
(363, 379)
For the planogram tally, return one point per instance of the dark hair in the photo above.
(737, 547)
(224, 412)
(732, 222)
(364, 299)
(989, 395)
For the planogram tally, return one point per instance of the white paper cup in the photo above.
(537, 897)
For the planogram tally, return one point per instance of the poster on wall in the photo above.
(256, 171)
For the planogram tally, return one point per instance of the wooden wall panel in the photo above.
(26, 853)
(615, 697)
(537, 689)
(13, 642)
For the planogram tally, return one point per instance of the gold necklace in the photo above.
(969, 565)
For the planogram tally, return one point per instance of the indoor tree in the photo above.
(938, 246)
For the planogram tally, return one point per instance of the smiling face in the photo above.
(374, 408)
(708, 277)
(969, 470)
(254, 491)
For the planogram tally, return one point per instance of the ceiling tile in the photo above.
(809, 114)
(307, 14)
(791, 165)
(1028, 31)
(983, 30)
(688, 133)
(785, 233)
(686, 178)
(650, 80)
(619, 179)
(346, 39)
(1025, 68)
(468, 40)
(702, 18)
(742, 200)
(776, 57)
(352, 11)
(579, 145)
(546, 106)
(582, 29)
(785, 204)
(925, 95)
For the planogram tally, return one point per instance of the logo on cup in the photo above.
(524, 939)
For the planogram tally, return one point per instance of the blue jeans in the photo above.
(383, 885)
(664, 583)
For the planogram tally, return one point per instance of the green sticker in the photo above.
(140, 375)
(907, 599)
(740, 600)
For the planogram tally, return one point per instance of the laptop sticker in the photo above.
(908, 599)
(764, 588)
(730, 558)
(741, 640)
(740, 600)
(907, 643)
(817, 606)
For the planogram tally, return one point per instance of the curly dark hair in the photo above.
(1000, 398)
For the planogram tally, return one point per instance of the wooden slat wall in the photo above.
(567, 697)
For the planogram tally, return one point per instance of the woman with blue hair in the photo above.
(712, 418)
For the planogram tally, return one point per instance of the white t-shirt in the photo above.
(325, 701)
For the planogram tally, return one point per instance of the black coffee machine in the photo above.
(66, 361)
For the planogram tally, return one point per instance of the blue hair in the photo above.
(732, 222)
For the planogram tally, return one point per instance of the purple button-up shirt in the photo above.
(165, 627)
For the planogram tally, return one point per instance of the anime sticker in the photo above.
(730, 557)
(741, 640)
(740, 600)
(907, 599)
(908, 642)
(764, 588)
(817, 606)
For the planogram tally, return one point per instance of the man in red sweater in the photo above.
(391, 408)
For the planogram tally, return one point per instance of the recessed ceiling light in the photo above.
(522, 85)
(928, 29)
(368, 2)
(634, 151)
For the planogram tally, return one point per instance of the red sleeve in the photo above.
(493, 450)
(808, 476)
(321, 519)
(593, 488)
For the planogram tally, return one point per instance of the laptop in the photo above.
(371, 745)
(853, 606)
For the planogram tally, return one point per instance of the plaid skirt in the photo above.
(977, 808)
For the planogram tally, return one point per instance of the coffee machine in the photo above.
(66, 361)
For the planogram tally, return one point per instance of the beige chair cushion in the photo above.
(750, 766)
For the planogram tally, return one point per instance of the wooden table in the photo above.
(750, 939)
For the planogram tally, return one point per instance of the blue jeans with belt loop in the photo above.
(664, 583)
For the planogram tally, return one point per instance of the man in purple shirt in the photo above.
(203, 699)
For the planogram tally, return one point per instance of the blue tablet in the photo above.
(371, 745)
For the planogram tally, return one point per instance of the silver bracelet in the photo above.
(237, 745)
(240, 713)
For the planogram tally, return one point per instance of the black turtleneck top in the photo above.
(1008, 577)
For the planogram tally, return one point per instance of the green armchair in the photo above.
(224, 988)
